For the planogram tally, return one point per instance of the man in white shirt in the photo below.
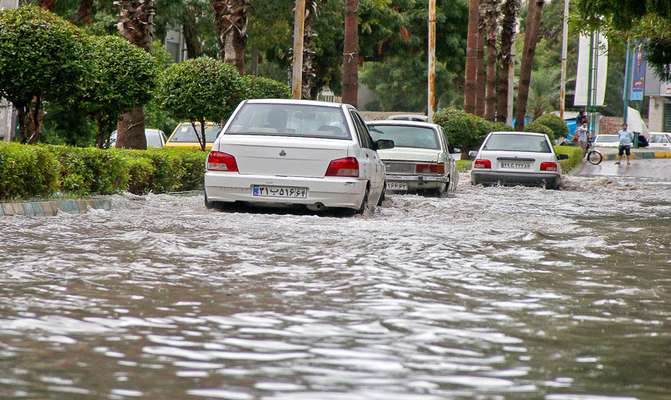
(626, 139)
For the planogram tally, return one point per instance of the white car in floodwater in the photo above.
(420, 161)
(288, 152)
(517, 158)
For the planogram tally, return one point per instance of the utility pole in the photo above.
(7, 124)
(299, 32)
(564, 53)
(431, 107)
(627, 83)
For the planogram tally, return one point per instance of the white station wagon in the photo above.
(517, 158)
(287, 152)
(420, 161)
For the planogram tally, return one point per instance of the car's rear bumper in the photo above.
(514, 178)
(329, 192)
(418, 182)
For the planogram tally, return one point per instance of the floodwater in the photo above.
(499, 293)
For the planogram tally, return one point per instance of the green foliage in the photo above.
(465, 130)
(575, 154)
(258, 87)
(555, 123)
(537, 127)
(27, 171)
(141, 173)
(40, 55)
(200, 89)
(63, 125)
(86, 171)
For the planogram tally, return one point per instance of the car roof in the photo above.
(393, 117)
(296, 102)
(402, 123)
(517, 133)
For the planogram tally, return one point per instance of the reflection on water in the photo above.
(498, 293)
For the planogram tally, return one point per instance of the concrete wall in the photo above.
(656, 114)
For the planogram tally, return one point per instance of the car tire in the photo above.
(383, 195)
(365, 207)
(210, 205)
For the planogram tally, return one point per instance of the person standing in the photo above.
(626, 139)
(583, 135)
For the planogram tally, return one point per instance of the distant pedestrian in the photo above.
(626, 139)
(583, 135)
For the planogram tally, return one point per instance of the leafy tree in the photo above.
(558, 126)
(40, 60)
(199, 90)
(537, 127)
(124, 77)
(258, 87)
(465, 130)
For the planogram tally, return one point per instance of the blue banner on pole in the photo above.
(638, 73)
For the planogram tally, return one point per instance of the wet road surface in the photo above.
(659, 169)
(516, 293)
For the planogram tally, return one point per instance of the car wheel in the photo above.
(383, 195)
(210, 205)
(365, 208)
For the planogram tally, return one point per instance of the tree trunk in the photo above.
(480, 88)
(510, 9)
(491, 13)
(22, 117)
(194, 48)
(309, 73)
(35, 119)
(48, 4)
(136, 23)
(471, 70)
(230, 19)
(350, 70)
(85, 13)
(530, 40)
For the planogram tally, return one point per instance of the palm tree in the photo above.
(230, 19)
(350, 70)
(491, 27)
(309, 51)
(48, 4)
(510, 8)
(85, 12)
(480, 87)
(136, 24)
(530, 40)
(471, 70)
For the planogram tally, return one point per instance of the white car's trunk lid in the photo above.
(283, 156)
(517, 161)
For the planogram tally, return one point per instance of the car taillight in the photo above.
(430, 168)
(482, 164)
(218, 161)
(549, 166)
(348, 166)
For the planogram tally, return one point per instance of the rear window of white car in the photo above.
(517, 142)
(295, 120)
(416, 137)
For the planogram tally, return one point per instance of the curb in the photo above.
(52, 207)
(642, 155)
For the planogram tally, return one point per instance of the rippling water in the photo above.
(497, 293)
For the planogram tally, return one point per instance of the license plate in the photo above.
(279, 191)
(515, 165)
(398, 186)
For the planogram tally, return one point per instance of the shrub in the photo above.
(193, 163)
(258, 87)
(199, 90)
(141, 173)
(27, 171)
(463, 129)
(168, 169)
(86, 171)
(575, 156)
(558, 126)
(535, 127)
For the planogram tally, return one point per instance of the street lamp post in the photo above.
(299, 32)
(431, 106)
(564, 52)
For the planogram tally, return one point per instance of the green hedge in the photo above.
(536, 127)
(465, 130)
(575, 154)
(42, 171)
(555, 123)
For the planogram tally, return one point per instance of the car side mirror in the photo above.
(472, 155)
(384, 144)
(562, 157)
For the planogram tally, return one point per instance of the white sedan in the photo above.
(287, 152)
(607, 141)
(517, 158)
(420, 160)
(659, 140)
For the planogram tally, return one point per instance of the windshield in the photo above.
(185, 133)
(153, 138)
(658, 139)
(296, 120)
(607, 139)
(517, 142)
(416, 137)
